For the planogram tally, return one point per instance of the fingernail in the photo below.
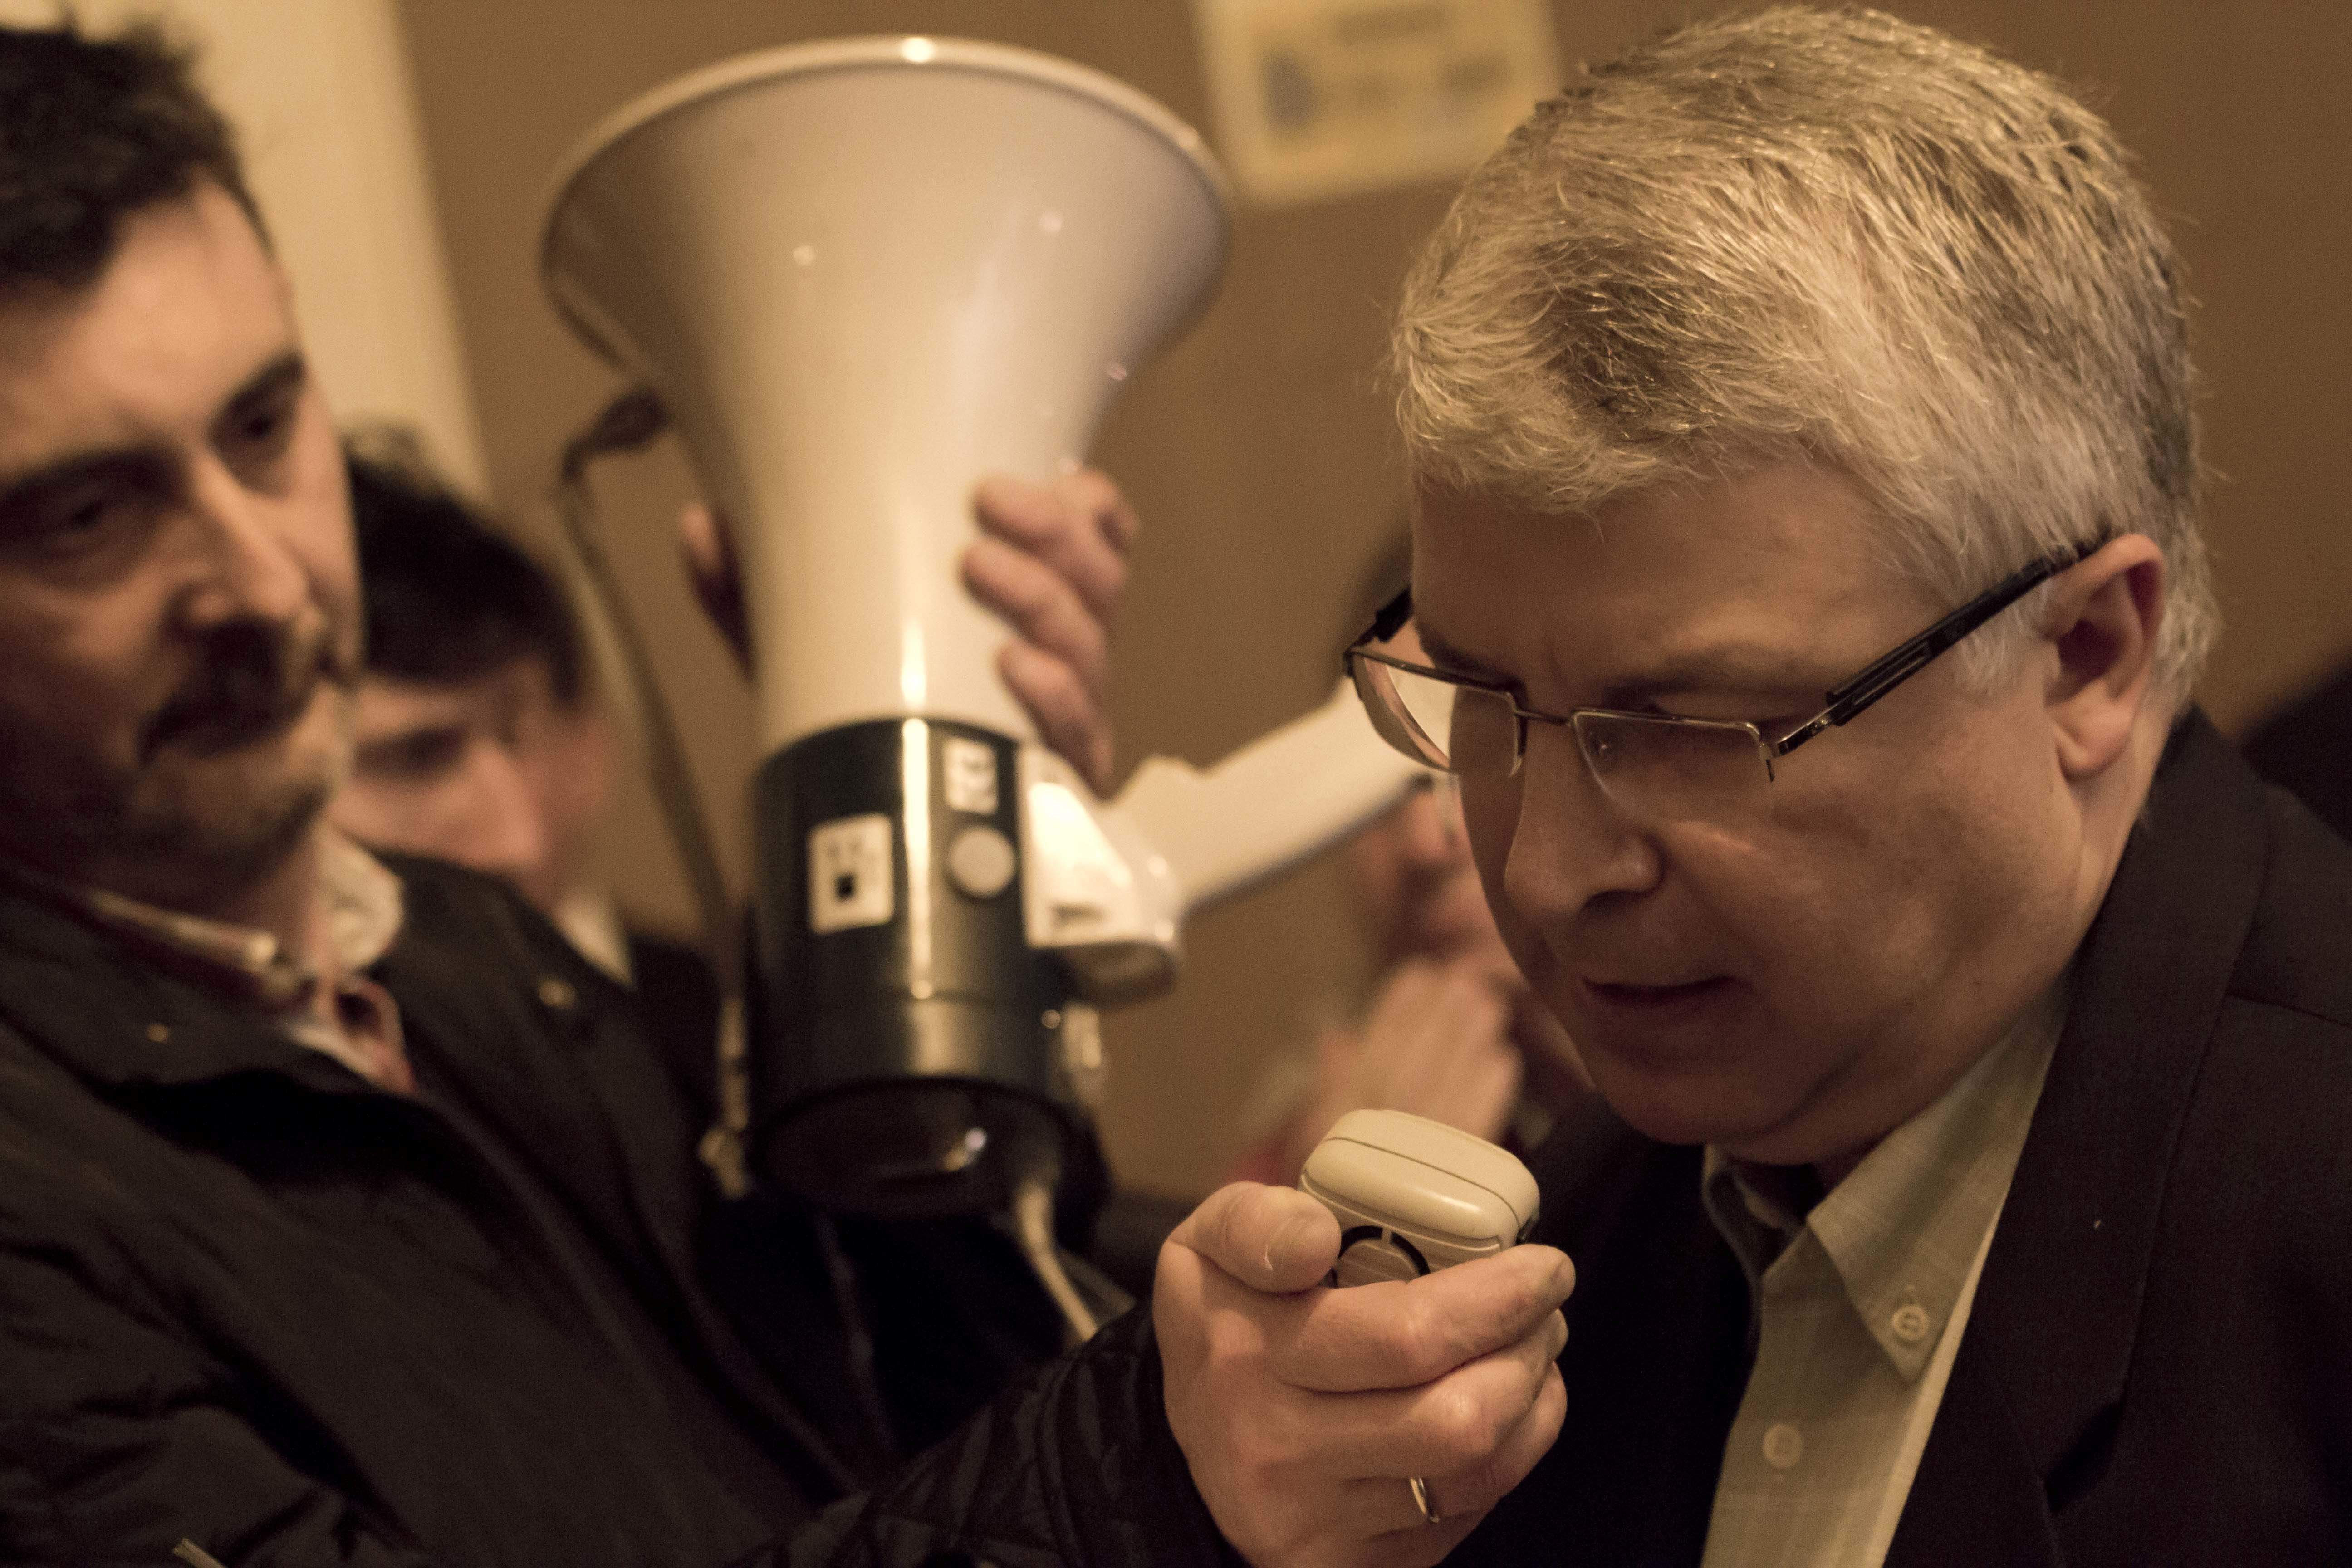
(1283, 1235)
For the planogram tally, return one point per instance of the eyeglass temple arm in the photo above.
(1843, 703)
(1387, 621)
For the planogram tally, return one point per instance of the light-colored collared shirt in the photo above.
(345, 1015)
(1857, 1308)
(589, 919)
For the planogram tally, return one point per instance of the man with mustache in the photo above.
(1809, 596)
(346, 1213)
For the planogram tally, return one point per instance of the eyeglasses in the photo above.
(1654, 766)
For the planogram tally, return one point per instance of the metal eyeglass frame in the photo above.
(1841, 703)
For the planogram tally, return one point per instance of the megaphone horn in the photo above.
(860, 274)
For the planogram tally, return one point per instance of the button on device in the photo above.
(968, 775)
(1783, 1446)
(1910, 1322)
(980, 862)
(1376, 1259)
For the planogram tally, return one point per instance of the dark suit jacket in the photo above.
(2157, 1369)
(2306, 750)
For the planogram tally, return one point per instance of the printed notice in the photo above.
(1324, 97)
(850, 881)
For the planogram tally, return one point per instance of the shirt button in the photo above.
(159, 1033)
(1783, 1446)
(556, 994)
(1910, 1322)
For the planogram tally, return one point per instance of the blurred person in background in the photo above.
(480, 737)
(1450, 1030)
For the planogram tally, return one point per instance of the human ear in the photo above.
(2103, 616)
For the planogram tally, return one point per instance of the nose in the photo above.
(249, 569)
(1569, 846)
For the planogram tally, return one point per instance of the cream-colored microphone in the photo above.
(1414, 1196)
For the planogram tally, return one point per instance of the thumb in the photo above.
(1276, 1239)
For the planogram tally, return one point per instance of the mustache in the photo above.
(255, 679)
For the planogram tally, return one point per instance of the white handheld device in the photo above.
(1412, 1195)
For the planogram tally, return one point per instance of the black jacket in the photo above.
(2306, 750)
(2157, 1368)
(247, 1299)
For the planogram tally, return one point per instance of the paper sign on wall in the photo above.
(1321, 97)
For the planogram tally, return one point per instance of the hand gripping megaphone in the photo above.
(860, 274)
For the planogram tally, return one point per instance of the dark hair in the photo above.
(91, 131)
(449, 599)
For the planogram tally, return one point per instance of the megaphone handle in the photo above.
(669, 773)
(633, 418)
(1272, 803)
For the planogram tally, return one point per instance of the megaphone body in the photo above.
(860, 274)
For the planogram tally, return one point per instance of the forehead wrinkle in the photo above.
(1749, 585)
(1728, 668)
(1728, 663)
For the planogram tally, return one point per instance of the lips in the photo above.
(254, 684)
(1631, 1000)
(213, 724)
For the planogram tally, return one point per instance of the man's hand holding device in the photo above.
(1305, 1411)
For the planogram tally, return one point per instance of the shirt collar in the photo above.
(1904, 1226)
(589, 918)
(363, 915)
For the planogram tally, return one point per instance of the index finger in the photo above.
(1081, 527)
(1409, 1332)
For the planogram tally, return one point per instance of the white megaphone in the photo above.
(860, 274)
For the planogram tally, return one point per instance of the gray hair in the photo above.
(1834, 236)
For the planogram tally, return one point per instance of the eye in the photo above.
(255, 430)
(418, 756)
(258, 433)
(74, 522)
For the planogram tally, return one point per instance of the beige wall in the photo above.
(1258, 451)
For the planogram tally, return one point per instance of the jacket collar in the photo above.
(99, 1003)
(2057, 1315)
(127, 992)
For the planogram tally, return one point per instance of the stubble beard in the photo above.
(220, 826)
(185, 829)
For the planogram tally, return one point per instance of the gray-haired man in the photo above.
(1971, 1185)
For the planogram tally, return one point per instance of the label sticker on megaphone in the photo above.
(1414, 1196)
(850, 873)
